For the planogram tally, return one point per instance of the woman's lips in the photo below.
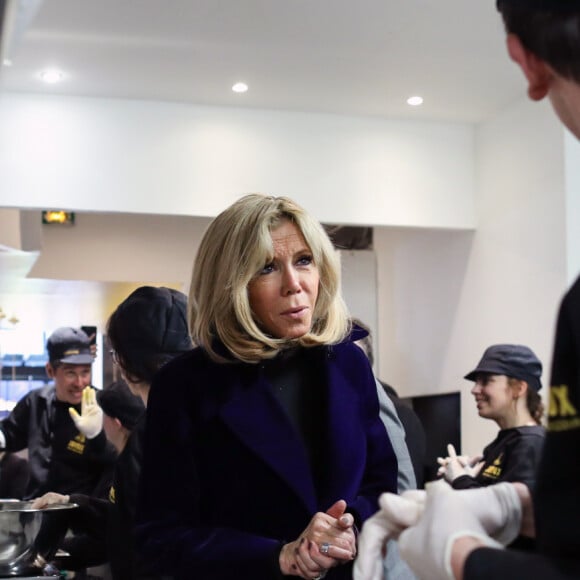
(295, 312)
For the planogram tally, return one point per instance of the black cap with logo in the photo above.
(512, 360)
(69, 345)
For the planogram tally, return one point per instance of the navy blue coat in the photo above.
(226, 479)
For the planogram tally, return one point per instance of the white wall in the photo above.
(445, 296)
(167, 158)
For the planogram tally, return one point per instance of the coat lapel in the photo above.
(346, 440)
(257, 418)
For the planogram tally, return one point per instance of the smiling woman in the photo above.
(265, 442)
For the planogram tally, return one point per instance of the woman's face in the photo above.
(494, 396)
(283, 294)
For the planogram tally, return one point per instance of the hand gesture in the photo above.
(90, 421)
(455, 465)
(327, 541)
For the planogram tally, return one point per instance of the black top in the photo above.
(60, 458)
(514, 455)
(557, 494)
(297, 384)
(13, 476)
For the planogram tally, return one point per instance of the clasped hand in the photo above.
(327, 541)
(454, 465)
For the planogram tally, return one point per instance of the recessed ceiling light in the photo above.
(6, 62)
(51, 76)
(415, 101)
(240, 88)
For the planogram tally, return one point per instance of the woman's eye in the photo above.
(305, 260)
(267, 269)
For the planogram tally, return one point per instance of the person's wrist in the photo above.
(461, 549)
(283, 560)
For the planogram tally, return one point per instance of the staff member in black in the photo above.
(506, 390)
(61, 458)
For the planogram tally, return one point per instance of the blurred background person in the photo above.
(145, 331)
(60, 457)
(14, 476)
(264, 446)
(396, 415)
(506, 390)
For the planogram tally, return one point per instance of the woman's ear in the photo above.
(538, 74)
(519, 389)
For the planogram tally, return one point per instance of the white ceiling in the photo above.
(354, 57)
(351, 57)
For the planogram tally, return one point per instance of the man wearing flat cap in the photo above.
(448, 531)
(61, 457)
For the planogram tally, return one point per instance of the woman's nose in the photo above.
(291, 281)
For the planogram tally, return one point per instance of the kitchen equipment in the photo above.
(20, 525)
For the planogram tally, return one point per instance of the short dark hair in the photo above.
(552, 36)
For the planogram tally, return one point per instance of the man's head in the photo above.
(69, 363)
(544, 39)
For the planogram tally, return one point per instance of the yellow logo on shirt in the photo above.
(77, 445)
(493, 471)
(112, 495)
(562, 414)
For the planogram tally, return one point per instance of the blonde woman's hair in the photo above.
(234, 249)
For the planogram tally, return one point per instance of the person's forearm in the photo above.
(528, 524)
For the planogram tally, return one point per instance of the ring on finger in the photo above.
(324, 547)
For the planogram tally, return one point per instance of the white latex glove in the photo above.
(396, 514)
(90, 421)
(427, 546)
(455, 465)
(50, 498)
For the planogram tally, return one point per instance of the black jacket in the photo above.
(514, 455)
(60, 458)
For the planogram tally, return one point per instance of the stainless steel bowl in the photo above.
(19, 528)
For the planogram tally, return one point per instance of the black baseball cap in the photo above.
(152, 320)
(69, 345)
(118, 402)
(542, 5)
(512, 360)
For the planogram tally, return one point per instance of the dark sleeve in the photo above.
(557, 493)
(465, 482)
(486, 563)
(16, 426)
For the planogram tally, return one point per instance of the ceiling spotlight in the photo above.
(6, 62)
(51, 76)
(240, 88)
(415, 101)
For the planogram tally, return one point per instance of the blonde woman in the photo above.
(264, 447)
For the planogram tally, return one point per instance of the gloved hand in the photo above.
(90, 421)
(397, 513)
(448, 515)
(455, 465)
(50, 498)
